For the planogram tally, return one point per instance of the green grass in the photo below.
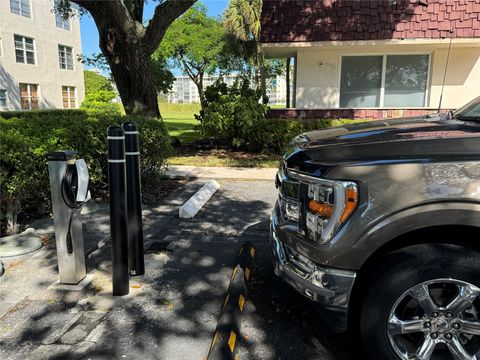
(180, 121)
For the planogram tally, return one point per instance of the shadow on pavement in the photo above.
(283, 324)
(172, 311)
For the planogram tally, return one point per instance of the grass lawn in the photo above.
(181, 123)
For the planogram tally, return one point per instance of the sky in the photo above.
(90, 34)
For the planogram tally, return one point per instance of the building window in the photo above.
(3, 99)
(24, 50)
(69, 97)
(65, 57)
(20, 7)
(384, 81)
(60, 21)
(29, 96)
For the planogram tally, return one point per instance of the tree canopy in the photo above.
(195, 43)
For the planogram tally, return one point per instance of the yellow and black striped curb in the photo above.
(227, 333)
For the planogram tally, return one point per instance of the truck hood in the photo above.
(399, 140)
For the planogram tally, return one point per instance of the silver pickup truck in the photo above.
(379, 223)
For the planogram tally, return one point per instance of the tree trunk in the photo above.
(13, 207)
(201, 92)
(128, 45)
(132, 74)
(263, 75)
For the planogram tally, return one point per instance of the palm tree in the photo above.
(243, 22)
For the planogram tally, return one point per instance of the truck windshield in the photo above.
(471, 111)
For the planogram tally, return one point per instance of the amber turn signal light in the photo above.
(351, 200)
(325, 210)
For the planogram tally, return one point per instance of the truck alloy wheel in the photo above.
(439, 315)
(423, 304)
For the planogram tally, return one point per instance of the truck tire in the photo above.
(424, 304)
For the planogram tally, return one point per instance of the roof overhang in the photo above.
(290, 49)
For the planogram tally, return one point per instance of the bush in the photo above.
(231, 113)
(274, 134)
(235, 114)
(27, 137)
(100, 107)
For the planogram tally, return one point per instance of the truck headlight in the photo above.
(330, 204)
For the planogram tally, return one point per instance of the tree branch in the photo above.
(135, 8)
(165, 13)
(189, 71)
(113, 10)
(88, 5)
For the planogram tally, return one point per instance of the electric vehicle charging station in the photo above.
(69, 188)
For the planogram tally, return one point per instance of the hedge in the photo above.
(275, 134)
(27, 137)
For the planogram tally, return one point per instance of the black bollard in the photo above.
(118, 209)
(134, 200)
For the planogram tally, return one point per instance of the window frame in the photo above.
(66, 57)
(24, 49)
(29, 87)
(4, 107)
(382, 87)
(69, 97)
(63, 22)
(30, 16)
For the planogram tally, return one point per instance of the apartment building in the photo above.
(375, 59)
(39, 57)
(184, 90)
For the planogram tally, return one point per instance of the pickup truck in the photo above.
(379, 224)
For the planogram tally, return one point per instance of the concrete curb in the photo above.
(200, 198)
(228, 331)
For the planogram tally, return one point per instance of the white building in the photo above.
(184, 90)
(375, 59)
(39, 65)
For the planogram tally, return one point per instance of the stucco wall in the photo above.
(318, 73)
(46, 72)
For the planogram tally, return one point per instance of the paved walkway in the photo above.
(181, 171)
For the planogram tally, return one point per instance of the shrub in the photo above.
(101, 108)
(274, 134)
(27, 137)
(231, 113)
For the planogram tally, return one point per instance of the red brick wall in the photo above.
(371, 114)
(325, 20)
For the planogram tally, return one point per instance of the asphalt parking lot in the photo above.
(172, 311)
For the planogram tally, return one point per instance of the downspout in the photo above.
(294, 99)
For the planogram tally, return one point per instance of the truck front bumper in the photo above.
(329, 287)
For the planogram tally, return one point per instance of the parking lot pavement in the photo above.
(171, 312)
(282, 324)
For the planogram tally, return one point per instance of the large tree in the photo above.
(195, 44)
(128, 41)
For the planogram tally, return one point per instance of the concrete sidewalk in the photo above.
(186, 172)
